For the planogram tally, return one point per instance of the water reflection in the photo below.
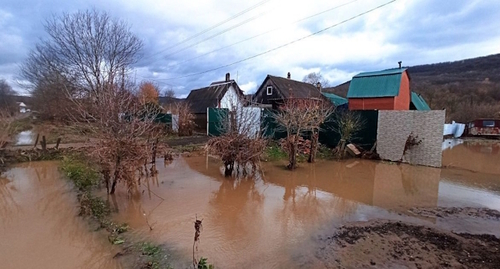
(258, 222)
(39, 216)
(475, 155)
(25, 138)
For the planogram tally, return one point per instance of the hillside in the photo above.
(467, 89)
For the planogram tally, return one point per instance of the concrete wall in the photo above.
(393, 130)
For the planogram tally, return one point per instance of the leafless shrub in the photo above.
(5, 128)
(240, 143)
(298, 116)
(347, 124)
(125, 134)
(185, 121)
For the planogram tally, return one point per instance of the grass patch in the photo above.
(20, 125)
(274, 153)
(81, 173)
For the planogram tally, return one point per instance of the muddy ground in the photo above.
(396, 244)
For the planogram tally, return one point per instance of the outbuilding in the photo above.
(381, 90)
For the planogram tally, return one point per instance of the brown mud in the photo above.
(396, 244)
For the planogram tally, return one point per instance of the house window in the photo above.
(488, 123)
(269, 90)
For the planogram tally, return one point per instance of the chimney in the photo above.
(318, 85)
(228, 77)
(288, 76)
(399, 64)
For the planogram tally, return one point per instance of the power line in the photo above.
(284, 45)
(210, 28)
(267, 32)
(217, 34)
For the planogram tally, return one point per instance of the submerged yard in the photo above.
(277, 219)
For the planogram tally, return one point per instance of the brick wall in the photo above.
(394, 127)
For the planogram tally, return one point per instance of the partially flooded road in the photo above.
(264, 222)
(40, 226)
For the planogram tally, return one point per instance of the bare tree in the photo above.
(88, 55)
(169, 93)
(313, 78)
(298, 116)
(7, 101)
(319, 112)
(88, 48)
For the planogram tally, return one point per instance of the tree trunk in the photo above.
(229, 167)
(116, 176)
(292, 152)
(106, 179)
(155, 147)
(314, 146)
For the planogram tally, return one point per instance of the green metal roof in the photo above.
(335, 99)
(418, 101)
(385, 83)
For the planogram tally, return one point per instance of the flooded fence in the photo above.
(365, 138)
(388, 130)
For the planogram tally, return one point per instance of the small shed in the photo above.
(340, 103)
(382, 90)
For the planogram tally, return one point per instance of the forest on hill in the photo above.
(467, 89)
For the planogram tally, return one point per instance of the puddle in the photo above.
(40, 226)
(259, 223)
(25, 138)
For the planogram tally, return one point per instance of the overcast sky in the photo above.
(176, 55)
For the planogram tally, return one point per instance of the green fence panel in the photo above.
(365, 138)
(217, 117)
(163, 118)
(327, 135)
(269, 126)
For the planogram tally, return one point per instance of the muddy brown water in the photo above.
(264, 221)
(261, 222)
(39, 223)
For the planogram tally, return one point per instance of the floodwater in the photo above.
(25, 138)
(39, 223)
(264, 221)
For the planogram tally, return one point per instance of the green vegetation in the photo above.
(203, 264)
(20, 125)
(274, 153)
(155, 256)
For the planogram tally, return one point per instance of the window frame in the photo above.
(488, 123)
(269, 90)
